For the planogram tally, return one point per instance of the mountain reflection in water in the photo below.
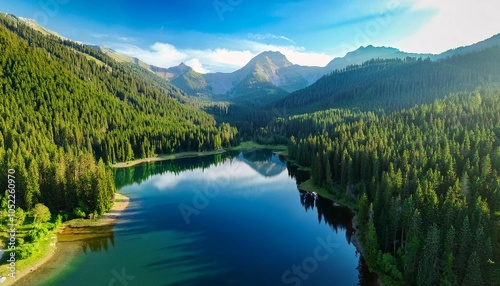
(248, 231)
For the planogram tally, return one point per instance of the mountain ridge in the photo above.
(396, 83)
(269, 75)
(275, 68)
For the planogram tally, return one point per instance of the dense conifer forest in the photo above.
(392, 84)
(426, 180)
(414, 144)
(379, 85)
(67, 111)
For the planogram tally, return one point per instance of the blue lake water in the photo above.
(228, 219)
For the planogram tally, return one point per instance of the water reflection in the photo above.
(91, 239)
(299, 175)
(264, 162)
(253, 224)
(336, 216)
(142, 172)
(237, 170)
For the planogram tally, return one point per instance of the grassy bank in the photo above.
(46, 246)
(120, 204)
(45, 250)
(251, 145)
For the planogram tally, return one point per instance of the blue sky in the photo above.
(222, 35)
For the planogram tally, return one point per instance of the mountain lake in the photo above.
(236, 218)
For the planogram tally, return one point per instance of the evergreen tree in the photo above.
(371, 244)
(473, 273)
(428, 269)
(363, 213)
(448, 276)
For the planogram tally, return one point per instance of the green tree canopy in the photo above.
(41, 213)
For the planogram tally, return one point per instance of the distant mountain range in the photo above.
(269, 71)
(392, 84)
(270, 75)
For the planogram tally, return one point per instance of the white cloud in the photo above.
(223, 59)
(197, 65)
(159, 54)
(296, 55)
(99, 36)
(203, 61)
(233, 175)
(456, 23)
(306, 58)
(219, 59)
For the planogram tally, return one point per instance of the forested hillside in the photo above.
(379, 85)
(393, 84)
(426, 180)
(423, 169)
(65, 106)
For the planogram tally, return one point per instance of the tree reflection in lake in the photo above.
(336, 216)
(252, 225)
(93, 239)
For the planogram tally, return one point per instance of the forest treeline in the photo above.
(426, 179)
(393, 84)
(377, 85)
(67, 110)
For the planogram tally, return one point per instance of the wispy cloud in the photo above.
(235, 54)
(203, 61)
(267, 36)
(220, 59)
(99, 36)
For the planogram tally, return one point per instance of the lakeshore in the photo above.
(257, 180)
(167, 157)
(73, 232)
(53, 255)
(309, 186)
(243, 146)
(56, 251)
